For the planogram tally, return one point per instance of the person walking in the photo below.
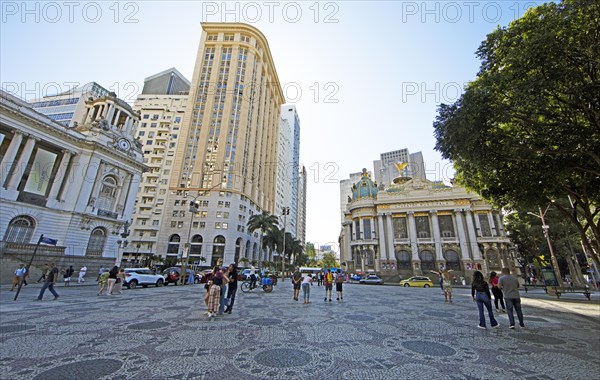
(102, 270)
(18, 277)
(232, 287)
(50, 282)
(223, 292)
(306, 284)
(510, 286)
(112, 279)
(120, 281)
(214, 294)
(480, 291)
(328, 282)
(67, 275)
(297, 283)
(44, 273)
(82, 273)
(102, 280)
(497, 292)
(339, 282)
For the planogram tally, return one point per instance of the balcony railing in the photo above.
(108, 214)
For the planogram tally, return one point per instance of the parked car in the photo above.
(356, 277)
(371, 279)
(143, 277)
(417, 281)
(172, 275)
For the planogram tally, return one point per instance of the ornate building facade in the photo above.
(415, 225)
(73, 183)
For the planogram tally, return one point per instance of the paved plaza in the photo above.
(377, 332)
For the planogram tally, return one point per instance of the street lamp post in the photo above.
(139, 245)
(122, 243)
(546, 227)
(194, 206)
(286, 212)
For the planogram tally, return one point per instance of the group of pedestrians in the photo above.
(112, 280)
(305, 281)
(505, 290)
(221, 290)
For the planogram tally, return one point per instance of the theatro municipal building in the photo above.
(414, 225)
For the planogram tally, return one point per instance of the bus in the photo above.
(311, 270)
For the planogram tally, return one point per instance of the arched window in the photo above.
(403, 259)
(20, 229)
(218, 251)
(452, 261)
(254, 251)
(173, 247)
(427, 260)
(247, 250)
(108, 193)
(196, 245)
(97, 241)
(238, 250)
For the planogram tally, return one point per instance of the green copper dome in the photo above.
(365, 188)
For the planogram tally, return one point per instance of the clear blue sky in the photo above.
(366, 77)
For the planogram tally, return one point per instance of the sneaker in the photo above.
(206, 313)
(496, 326)
(504, 310)
(512, 327)
(337, 299)
(325, 299)
(522, 327)
(497, 310)
(330, 300)
(481, 327)
(55, 298)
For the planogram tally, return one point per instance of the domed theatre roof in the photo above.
(365, 188)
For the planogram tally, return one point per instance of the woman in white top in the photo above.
(306, 283)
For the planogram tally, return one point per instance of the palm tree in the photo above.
(272, 240)
(263, 222)
(296, 248)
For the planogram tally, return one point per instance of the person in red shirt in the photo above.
(497, 292)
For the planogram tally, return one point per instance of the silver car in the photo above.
(143, 277)
(371, 279)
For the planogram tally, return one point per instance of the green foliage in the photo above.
(526, 132)
(329, 261)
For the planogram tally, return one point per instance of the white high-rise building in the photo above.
(301, 210)
(386, 168)
(289, 116)
(161, 106)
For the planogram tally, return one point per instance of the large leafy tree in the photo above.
(526, 131)
(263, 222)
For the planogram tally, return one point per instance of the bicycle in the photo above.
(265, 282)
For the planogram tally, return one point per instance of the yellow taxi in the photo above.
(417, 281)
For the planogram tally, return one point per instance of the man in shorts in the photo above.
(328, 282)
(297, 282)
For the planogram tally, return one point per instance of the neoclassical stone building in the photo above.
(416, 225)
(73, 183)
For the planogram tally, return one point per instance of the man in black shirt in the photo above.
(49, 283)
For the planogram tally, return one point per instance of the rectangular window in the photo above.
(156, 222)
(173, 224)
(179, 224)
(218, 225)
(153, 233)
(220, 204)
(203, 214)
(446, 226)
(484, 222)
(38, 177)
(142, 133)
(423, 230)
(227, 204)
(367, 229)
(202, 224)
(224, 225)
(400, 230)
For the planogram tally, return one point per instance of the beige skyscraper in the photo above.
(226, 161)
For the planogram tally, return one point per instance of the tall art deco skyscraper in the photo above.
(226, 160)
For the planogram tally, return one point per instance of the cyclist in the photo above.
(252, 277)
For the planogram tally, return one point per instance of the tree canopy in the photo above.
(526, 131)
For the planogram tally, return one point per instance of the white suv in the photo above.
(143, 277)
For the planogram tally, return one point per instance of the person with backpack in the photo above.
(339, 282)
(328, 282)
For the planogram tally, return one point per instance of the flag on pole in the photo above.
(46, 240)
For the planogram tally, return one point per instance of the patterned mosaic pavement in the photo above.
(377, 332)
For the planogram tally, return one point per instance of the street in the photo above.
(376, 332)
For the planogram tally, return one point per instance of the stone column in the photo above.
(61, 174)
(462, 238)
(472, 236)
(115, 122)
(492, 224)
(437, 238)
(129, 202)
(8, 160)
(19, 169)
(500, 229)
(412, 231)
(390, 239)
(381, 238)
(478, 230)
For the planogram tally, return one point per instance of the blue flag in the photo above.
(46, 240)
